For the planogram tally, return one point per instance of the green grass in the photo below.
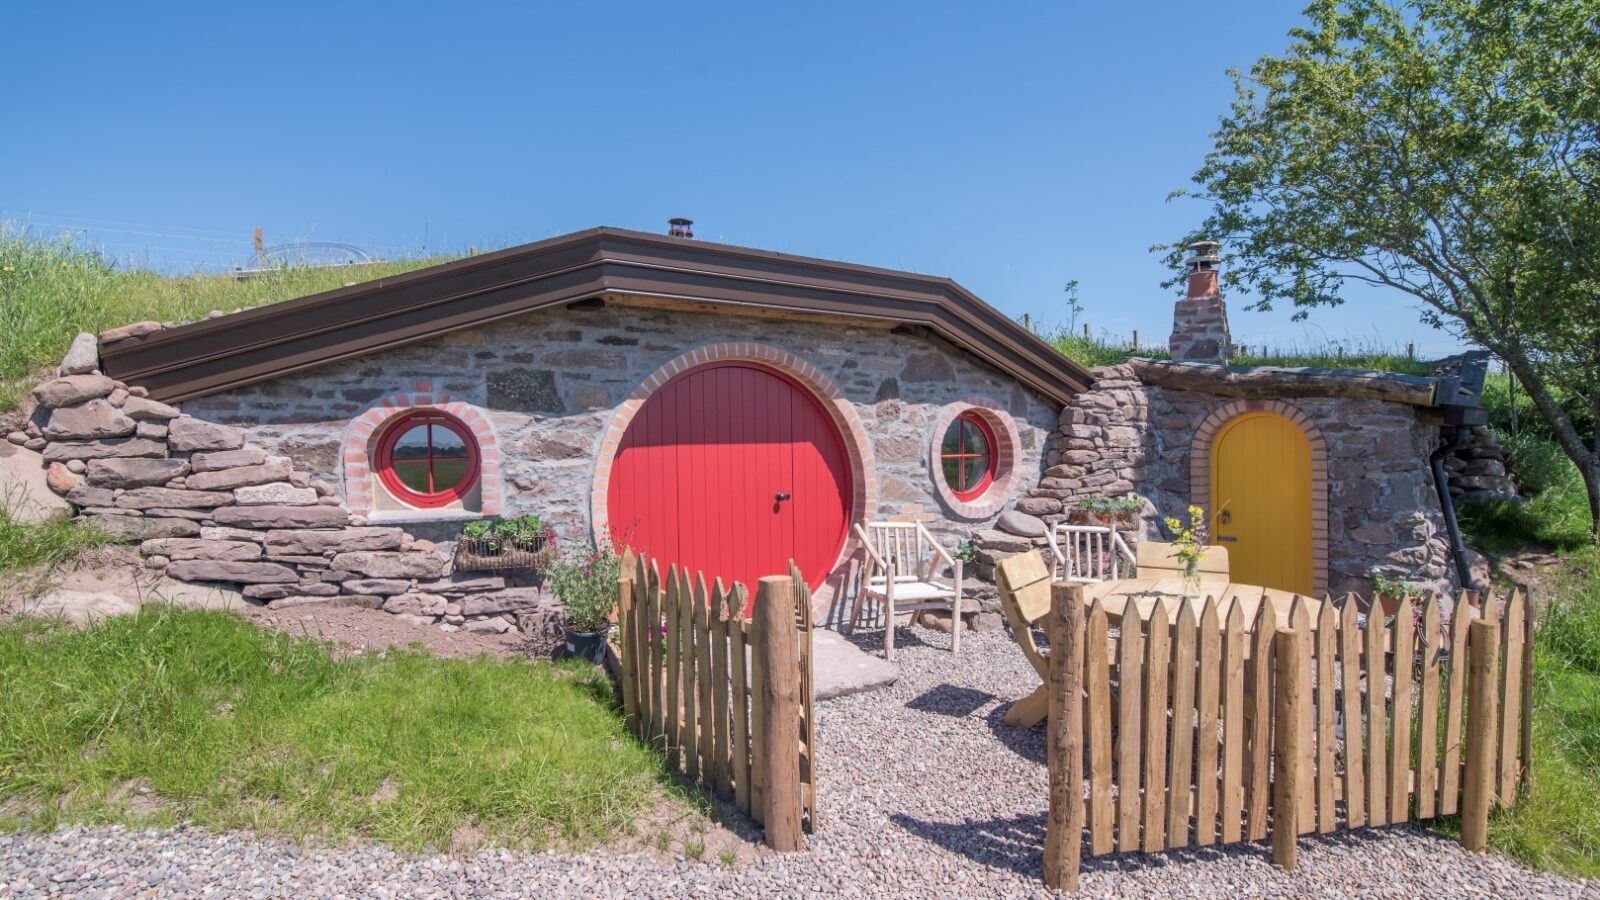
(52, 289)
(48, 544)
(1556, 513)
(1368, 360)
(228, 725)
(1089, 351)
(1557, 824)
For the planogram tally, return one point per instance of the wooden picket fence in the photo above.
(726, 696)
(1197, 731)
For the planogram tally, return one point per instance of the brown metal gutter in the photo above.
(218, 354)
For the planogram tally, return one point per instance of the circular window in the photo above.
(967, 456)
(427, 459)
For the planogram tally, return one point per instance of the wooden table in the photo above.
(1145, 592)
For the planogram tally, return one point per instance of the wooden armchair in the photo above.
(1085, 554)
(1024, 582)
(902, 559)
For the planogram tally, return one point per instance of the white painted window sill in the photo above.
(422, 516)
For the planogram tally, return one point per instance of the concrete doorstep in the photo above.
(840, 668)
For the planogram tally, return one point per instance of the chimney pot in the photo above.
(1200, 321)
(680, 227)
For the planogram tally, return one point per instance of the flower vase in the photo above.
(1191, 581)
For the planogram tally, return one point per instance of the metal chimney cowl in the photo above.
(680, 227)
(1200, 320)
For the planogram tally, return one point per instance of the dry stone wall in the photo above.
(207, 505)
(1125, 438)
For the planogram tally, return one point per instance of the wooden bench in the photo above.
(1157, 560)
(1024, 582)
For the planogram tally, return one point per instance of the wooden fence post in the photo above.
(1063, 839)
(1286, 769)
(778, 742)
(1483, 662)
(630, 661)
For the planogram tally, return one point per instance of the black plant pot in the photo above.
(590, 645)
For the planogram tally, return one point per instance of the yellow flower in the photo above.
(10, 268)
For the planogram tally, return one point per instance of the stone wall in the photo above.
(207, 505)
(1127, 437)
(1478, 470)
(549, 384)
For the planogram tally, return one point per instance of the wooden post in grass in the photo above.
(1286, 768)
(1483, 661)
(1063, 837)
(779, 740)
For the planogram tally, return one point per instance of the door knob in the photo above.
(781, 497)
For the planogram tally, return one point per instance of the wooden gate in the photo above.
(1197, 732)
(727, 697)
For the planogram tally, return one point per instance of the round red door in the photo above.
(732, 469)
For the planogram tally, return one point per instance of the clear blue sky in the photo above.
(1009, 146)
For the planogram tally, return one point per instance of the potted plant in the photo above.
(1118, 511)
(586, 584)
(522, 542)
(1389, 591)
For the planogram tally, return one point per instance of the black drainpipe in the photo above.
(1441, 483)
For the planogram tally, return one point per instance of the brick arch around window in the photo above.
(1201, 447)
(1007, 464)
(359, 445)
(858, 445)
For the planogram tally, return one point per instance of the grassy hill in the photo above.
(52, 289)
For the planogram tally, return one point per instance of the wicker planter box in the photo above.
(498, 555)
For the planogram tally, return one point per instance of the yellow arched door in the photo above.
(1261, 501)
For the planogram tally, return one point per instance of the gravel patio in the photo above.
(924, 793)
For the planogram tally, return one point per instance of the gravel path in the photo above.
(924, 793)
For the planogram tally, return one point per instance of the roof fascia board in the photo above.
(271, 341)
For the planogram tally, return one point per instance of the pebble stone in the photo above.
(924, 793)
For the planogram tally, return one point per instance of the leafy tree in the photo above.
(1447, 149)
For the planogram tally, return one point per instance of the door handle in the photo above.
(781, 496)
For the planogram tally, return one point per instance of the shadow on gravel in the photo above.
(950, 700)
(1015, 843)
(1028, 743)
(870, 640)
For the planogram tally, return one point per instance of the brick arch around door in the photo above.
(1203, 462)
(732, 459)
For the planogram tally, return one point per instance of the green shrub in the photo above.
(1537, 463)
(586, 583)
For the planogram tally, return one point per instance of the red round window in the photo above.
(427, 459)
(967, 456)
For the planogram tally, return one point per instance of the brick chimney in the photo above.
(1200, 321)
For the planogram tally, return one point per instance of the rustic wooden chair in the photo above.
(1024, 582)
(902, 560)
(1157, 560)
(1085, 554)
